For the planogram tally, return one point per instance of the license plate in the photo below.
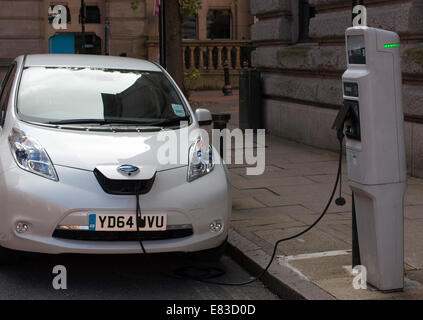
(127, 222)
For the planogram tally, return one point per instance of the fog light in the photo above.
(21, 227)
(216, 226)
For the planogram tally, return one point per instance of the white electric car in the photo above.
(83, 139)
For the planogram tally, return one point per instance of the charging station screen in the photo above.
(356, 49)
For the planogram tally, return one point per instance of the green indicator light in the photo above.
(391, 45)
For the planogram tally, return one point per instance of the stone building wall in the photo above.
(302, 81)
(128, 28)
(16, 36)
(24, 28)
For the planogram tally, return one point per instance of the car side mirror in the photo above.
(203, 117)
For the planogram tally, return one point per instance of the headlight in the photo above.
(200, 160)
(30, 155)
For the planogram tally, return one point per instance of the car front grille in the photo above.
(121, 235)
(124, 187)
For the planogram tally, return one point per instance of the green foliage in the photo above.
(135, 4)
(190, 7)
(190, 79)
(192, 76)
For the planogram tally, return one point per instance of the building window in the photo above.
(52, 15)
(306, 12)
(219, 24)
(92, 14)
(189, 27)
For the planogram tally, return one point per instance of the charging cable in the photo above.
(341, 200)
(206, 275)
(186, 272)
(140, 223)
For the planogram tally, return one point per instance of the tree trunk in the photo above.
(174, 41)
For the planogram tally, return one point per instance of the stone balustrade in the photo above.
(211, 54)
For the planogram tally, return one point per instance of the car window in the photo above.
(5, 92)
(63, 95)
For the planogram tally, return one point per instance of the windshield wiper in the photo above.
(97, 121)
(168, 122)
(101, 122)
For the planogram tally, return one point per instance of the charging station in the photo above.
(373, 119)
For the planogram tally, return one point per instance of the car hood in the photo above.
(88, 150)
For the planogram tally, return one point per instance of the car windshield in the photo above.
(63, 95)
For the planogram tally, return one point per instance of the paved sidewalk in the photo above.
(288, 197)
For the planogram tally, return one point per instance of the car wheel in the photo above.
(7, 256)
(211, 255)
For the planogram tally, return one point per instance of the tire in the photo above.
(7, 256)
(211, 255)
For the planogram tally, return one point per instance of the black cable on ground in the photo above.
(205, 274)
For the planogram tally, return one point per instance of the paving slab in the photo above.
(313, 241)
(414, 194)
(413, 243)
(323, 268)
(246, 203)
(413, 212)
